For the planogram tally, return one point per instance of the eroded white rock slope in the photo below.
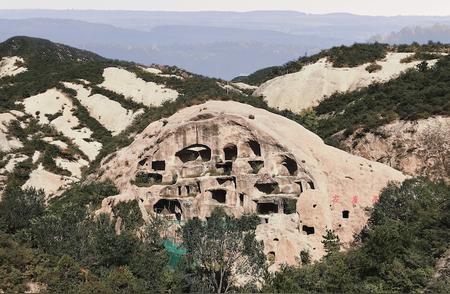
(9, 66)
(7, 141)
(307, 87)
(128, 84)
(54, 101)
(108, 112)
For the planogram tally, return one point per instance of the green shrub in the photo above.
(373, 67)
(130, 213)
(18, 207)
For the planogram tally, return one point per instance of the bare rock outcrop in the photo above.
(248, 160)
(418, 148)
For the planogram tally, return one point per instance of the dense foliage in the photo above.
(64, 248)
(220, 248)
(409, 229)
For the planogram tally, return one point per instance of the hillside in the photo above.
(304, 83)
(119, 177)
(63, 108)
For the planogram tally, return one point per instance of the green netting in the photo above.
(175, 252)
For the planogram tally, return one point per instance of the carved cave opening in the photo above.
(290, 164)
(225, 168)
(241, 199)
(230, 152)
(168, 207)
(194, 152)
(256, 165)
(159, 165)
(308, 230)
(255, 146)
(223, 180)
(345, 214)
(289, 205)
(267, 188)
(219, 195)
(271, 257)
(266, 207)
(143, 161)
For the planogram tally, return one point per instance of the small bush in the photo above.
(373, 67)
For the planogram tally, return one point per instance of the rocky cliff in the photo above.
(248, 160)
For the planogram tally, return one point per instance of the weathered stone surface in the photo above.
(417, 148)
(248, 160)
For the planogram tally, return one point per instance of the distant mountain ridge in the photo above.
(215, 44)
(421, 35)
(211, 51)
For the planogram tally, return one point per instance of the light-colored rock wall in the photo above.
(108, 112)
(419, 148)
(247, 160)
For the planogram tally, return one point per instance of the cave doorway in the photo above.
(168, 207)
(255, 146)
(159, 165)
(230, 152)
(266, 207)
(291, 165)
(219, 195)
(308, 230)
(267, 188)
(194, 152)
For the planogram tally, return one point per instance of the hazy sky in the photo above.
(369, 7)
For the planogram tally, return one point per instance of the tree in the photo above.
(220, 249)
(331, 242)
(150, 260)
(122, 280)
(18, 207)
(56, 231)
(305, 257)
(108, 248)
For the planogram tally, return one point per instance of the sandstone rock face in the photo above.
(248, 160)
(418, 148)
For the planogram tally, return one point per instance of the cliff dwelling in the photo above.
(194, 166)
